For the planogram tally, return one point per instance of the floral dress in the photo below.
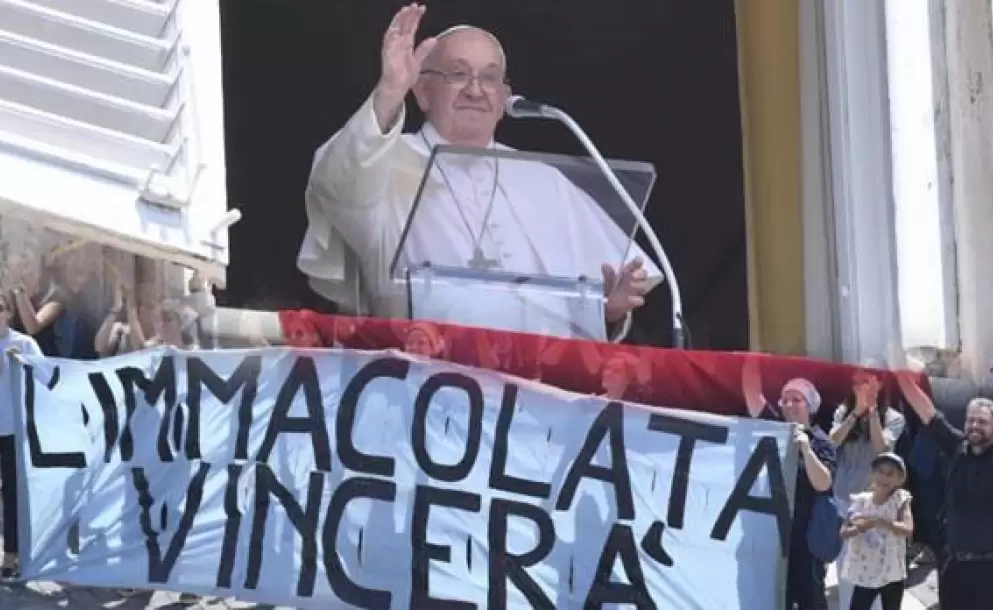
(876, 558)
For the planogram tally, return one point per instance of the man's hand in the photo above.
(401, 63)
(626, 291)
(918, 399)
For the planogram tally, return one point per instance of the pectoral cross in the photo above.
(480, 262)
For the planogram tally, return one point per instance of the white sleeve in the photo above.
(904, 497)
(349, 183)
(858, 503)
(839, 417)
(350, 169)
(893, 429)
(202, 303)
(623, 330)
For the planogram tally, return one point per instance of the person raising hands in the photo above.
(401, 64)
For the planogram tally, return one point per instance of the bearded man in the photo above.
(966, 565)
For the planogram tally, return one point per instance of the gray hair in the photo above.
(458, 28)
(980, 403)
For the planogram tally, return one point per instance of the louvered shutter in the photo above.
(111, 124)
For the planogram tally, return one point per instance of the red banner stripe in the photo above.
(682, 379)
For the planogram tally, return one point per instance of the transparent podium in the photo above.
(516, 241)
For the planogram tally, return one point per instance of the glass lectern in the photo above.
(516, 241)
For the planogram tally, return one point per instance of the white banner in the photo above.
(331, 479)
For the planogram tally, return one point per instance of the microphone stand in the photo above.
(679, 335)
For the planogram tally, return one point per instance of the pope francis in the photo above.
(489, 214)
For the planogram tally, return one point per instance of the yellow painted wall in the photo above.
(769, 76)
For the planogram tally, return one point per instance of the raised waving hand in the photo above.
(401, 63)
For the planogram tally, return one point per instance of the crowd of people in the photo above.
(60, 305)
(852, 501)
(82, 301)
(852, 483)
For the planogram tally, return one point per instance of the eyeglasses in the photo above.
(490, 81)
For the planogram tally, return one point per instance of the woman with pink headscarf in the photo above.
(424, 339)
(799, 401)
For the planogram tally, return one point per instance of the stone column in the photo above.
(969, 49)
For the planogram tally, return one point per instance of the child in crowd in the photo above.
(878, 525)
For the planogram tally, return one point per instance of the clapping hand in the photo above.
(867, 394)
(864, 524)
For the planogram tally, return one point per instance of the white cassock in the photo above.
(360, 195)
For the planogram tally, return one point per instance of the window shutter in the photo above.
(111, 124)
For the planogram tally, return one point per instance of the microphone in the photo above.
(519, 107)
